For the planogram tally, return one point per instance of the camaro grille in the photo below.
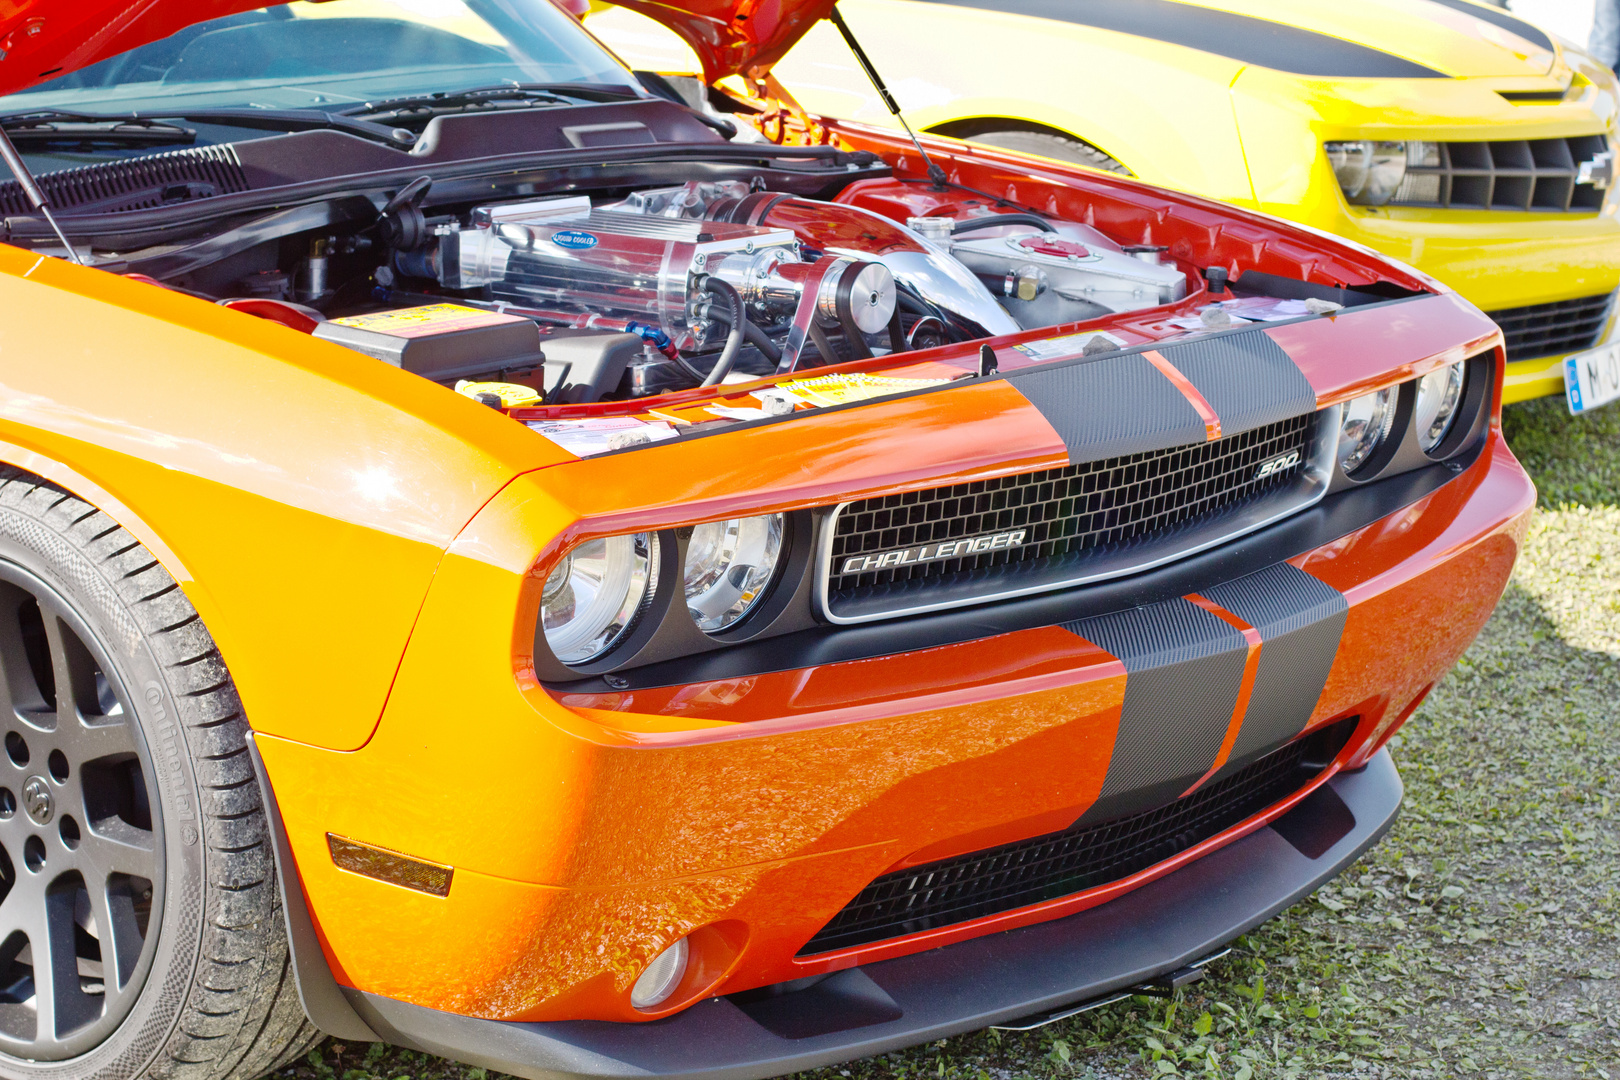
(1060, 864)
(1061, 522)
(1550, 329)
(1513, 174)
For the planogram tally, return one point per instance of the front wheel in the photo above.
(140, 924)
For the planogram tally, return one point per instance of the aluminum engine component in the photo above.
(922, 265)
(1045, 277)
(565, 255)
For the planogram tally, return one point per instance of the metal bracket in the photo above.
(1163, 986)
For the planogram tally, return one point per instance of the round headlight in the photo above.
(1364, 427)
(1438, 395)
(596, 593)
(661, 978)
(729, 564)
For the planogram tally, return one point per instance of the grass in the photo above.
(1478, 939)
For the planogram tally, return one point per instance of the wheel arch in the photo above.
(969, 126)
(300, 493)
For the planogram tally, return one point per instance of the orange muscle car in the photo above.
(497, 550)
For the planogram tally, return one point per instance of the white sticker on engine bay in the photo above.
(599, 434)
(1061, 348)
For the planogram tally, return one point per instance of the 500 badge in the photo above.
(923, 553)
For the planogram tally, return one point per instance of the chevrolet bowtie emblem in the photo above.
(1599, 172)
(924, 553)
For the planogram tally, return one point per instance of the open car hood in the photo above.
(41, 39)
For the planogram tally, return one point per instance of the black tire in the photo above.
(199, 987)
(1057, 147)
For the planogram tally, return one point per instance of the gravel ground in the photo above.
(1478, 939)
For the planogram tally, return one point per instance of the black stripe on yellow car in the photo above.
(1238, 37)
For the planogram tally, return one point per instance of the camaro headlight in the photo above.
(1438, 395)
(729, 565)
(1368, 171)
(1371, 172)
(596, 593)
(1364, 427)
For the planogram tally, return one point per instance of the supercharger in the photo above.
(566, 256)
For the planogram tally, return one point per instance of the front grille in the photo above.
(1073, 516)
(1515, 174)
(1061, 864)
(1552, 329)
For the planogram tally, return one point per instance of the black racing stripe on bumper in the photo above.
(1300, 620)
(1247, 378)
(1070, 396)
(1184, 668)
(1238, 37)
(1158, 928)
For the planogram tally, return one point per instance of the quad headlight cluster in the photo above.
(1371, 426)
(601, 589)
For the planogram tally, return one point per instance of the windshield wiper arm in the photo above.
(299, 120)
(37, 129)
(541, 93)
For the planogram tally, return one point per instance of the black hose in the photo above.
(739, 327)
(754, 336)
(991, 221)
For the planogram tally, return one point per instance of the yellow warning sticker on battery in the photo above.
(427, 320)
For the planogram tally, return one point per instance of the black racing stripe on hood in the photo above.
(1498, 17)
(1238, 37)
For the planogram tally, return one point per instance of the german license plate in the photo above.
(1592, 378)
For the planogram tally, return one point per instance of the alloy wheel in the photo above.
(81, 837)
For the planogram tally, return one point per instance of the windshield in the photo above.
(334, 54)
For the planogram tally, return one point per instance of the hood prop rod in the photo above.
(935, 173)
(35, 193)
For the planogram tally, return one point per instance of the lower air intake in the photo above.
(1564, 326)
(1075, 860)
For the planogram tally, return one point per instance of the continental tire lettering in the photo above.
(172, 759)
(926, 553)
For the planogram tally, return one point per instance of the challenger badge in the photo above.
(925, 553)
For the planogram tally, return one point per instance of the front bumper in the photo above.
(585, 839)
(897, 1003)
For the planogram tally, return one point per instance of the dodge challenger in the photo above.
(499, 559)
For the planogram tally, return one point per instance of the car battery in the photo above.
(441, 341)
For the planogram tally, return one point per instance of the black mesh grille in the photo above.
(1068, 512)
(135, 184)
(1060, 864)
(1551, 329)
(1513, 174)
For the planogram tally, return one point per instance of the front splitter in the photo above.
(1154, 930)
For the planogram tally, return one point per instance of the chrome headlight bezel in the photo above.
(596, 593)
(1364, 429)
(728, 568)
(1439, 400)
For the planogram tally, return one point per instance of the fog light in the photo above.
(661, 978)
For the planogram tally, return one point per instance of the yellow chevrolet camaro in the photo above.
(1446, 133)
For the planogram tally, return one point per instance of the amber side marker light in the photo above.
(390, 866)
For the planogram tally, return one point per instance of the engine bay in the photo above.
(584, 298)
